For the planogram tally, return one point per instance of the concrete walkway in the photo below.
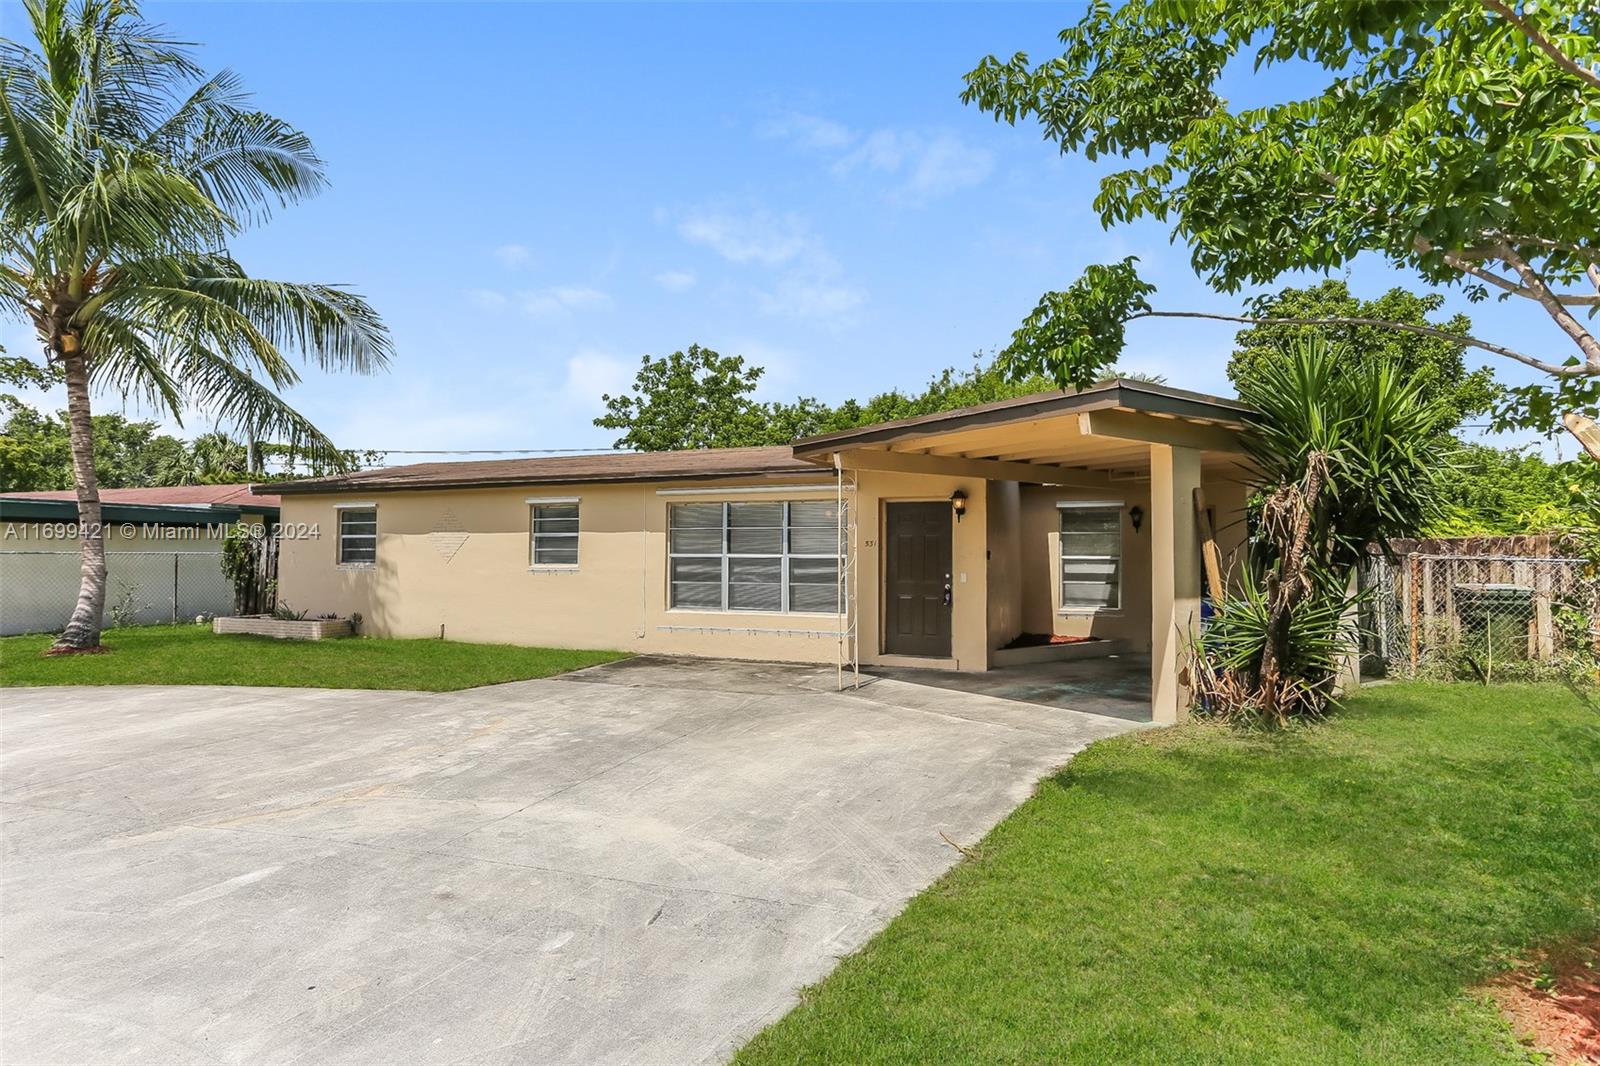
(640, 863)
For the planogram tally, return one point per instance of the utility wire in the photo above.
(485, 451)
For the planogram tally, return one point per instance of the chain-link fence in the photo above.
(38, 589)
(1484, 617)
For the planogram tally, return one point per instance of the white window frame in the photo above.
(340, 535)
(533, 536)
(724, 555)
(1061, 556)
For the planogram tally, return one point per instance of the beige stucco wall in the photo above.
(1041, 546)
(1006, 563)
(459, 559)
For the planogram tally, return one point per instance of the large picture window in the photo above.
(358, 536)
(1091, 556)
(554, 532)
(779, 556)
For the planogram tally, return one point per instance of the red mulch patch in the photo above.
(54, 652)
(1556, 1005)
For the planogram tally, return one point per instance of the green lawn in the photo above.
(1205, 896)
(193, 655)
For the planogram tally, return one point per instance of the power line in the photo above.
(485, 451)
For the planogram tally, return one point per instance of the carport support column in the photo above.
(1174, 576)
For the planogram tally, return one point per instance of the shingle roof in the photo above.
(1121, 393)
(168, 495)
(704, 463)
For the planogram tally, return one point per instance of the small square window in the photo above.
(554, 534)
(358, 536)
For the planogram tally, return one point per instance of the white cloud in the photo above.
(759, 237)
(807, 131)
(593, 374)
(798, 295)
(513, 256)
(945, 164)
(807, 281)
(925, 166)
(676, 280)
(562, 299)
(487, 298)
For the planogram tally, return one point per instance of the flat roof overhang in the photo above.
(1091, 438)
(19, 509)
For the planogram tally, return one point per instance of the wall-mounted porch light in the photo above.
(958, 503)
(1136, 516)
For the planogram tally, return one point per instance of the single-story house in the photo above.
(932, 541)
(163, 552)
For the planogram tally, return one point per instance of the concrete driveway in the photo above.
(639, 863)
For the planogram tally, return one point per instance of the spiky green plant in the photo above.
(1347, 461)
(124, 173)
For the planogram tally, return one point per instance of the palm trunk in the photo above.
(83, 629)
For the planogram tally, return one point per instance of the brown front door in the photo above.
(917, 579)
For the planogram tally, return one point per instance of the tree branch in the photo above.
(1547, 299)
(1463, 261)
(1381, 323)
(1543, 42)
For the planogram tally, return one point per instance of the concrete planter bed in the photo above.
(264, 625)
(1028, 654)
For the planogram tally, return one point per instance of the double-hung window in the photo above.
(358, 535)
(1091, 556)
(553, 532)
(778, 556)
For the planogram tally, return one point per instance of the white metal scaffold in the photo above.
(845, 482)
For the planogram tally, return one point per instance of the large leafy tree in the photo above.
(690, 399)
(124, 172)
(700, 399)
(1435, 365)
(1457, 139)
(36, 450)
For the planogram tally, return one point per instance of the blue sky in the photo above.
(535, 195)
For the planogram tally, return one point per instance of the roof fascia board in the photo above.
(1149, 429)
(955, 466)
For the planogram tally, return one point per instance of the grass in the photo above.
(1204, 895)
(193, 655)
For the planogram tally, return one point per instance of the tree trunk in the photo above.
(83, 629)
(1288, 586)
(1586, 430)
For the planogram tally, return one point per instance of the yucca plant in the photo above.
(1347, 461)
(1227, 663)
(124, 172)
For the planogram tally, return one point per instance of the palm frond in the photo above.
(234, 397)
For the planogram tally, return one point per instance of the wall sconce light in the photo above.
(1136, 516)
(958, 503)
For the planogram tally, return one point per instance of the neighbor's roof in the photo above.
(1115, 394)
(699, 464)
(170, 495)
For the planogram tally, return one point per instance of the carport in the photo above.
(1166, 467)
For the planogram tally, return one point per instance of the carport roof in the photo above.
(1116, 394)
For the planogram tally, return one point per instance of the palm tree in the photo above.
(124, 171)
(210, 459)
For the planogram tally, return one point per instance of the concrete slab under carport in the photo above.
(642, 863)
(1113, 685)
